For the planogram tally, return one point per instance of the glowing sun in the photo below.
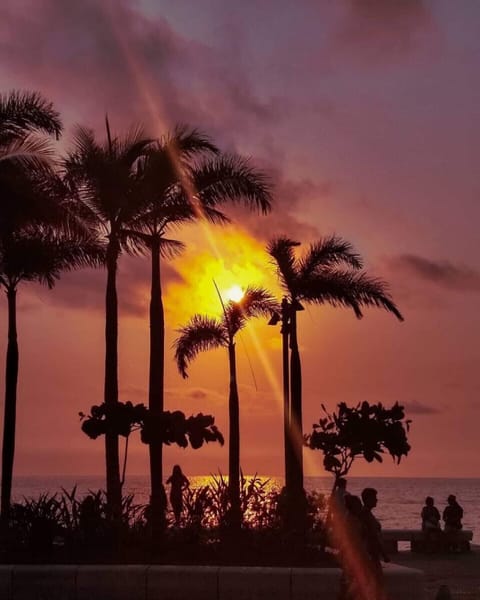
(235, 293)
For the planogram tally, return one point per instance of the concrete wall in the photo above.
(155, 582)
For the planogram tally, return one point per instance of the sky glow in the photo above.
(367, 123)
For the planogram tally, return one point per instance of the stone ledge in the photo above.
(163, 582)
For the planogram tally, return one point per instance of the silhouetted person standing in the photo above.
(178, 483)
(452, 516)
(372, 534)
(348, 537)
(336, 505)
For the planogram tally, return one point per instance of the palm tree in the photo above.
(31, 254)
(103, 182)
(24, 116)
(206, 333)
(25, 159)
(176, 188)
(330, 272)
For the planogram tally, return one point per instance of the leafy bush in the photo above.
(366, 430)
(76, 527)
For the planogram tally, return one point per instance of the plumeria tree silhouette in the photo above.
(365, 430)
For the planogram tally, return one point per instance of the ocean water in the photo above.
(400, 500)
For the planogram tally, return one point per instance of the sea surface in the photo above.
(400, 500)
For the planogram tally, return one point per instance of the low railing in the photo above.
(155, 582)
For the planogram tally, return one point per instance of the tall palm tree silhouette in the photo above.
(182, 178)
(205, 333)
(103, 182)
(26, 118)
(34, 247)
(330, 272)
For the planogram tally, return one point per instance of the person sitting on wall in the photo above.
(452, 516)
(431, 525)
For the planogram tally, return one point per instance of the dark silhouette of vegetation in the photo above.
(25, 256)
(330, 272)
(164, 428)
(205, 333)
(68, 526)
(38, 237)
(181, 178)
(365, 430)
(102, 179)
(25, 119)
(168, 428)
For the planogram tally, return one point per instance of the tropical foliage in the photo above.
(74, 526)
(365, 430)
(169, 428)
(25, 119)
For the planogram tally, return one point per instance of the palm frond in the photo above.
(134, 241)
(42, 255)
(131, 146)
(31, 152)
(231, 179)
(104, 175)
(257, 302)
(158, 173)
(84, 145)
(170, 248)
(22, 112)
(215, 216)
(281, 249)
(348, 289)
(37, 198)
(200, 334)
(185, 143)
(327, 252)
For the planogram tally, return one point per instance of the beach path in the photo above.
(460, 572)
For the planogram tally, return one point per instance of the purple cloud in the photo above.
(443, 273)
(85, 289)
(382, 30)
(139, 68)
(420, 408)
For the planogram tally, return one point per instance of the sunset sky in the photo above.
(366, 116)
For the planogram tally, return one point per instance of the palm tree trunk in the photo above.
(156, 390)
(297, 492)
(287, 430)
(114, 490)
(11, 377)
(234, 443)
